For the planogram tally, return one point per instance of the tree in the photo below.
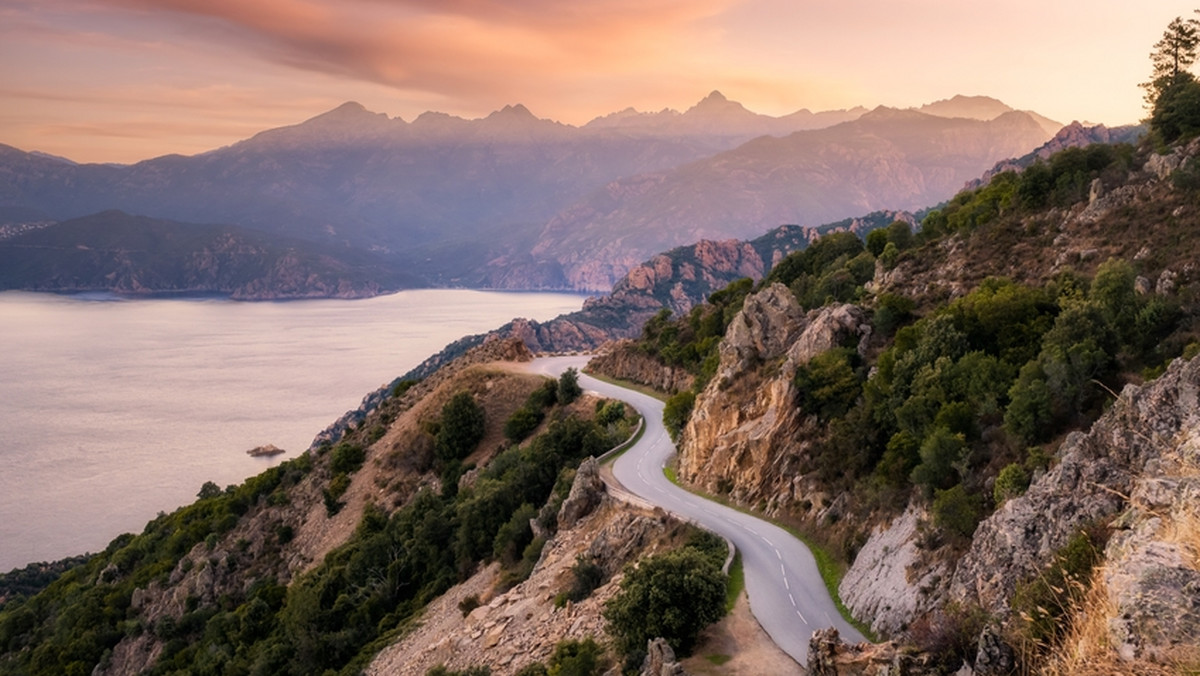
(1172, 94)
(939, 453)
(1172, 56)
(568, 386)
(673, 596)
(209, 490)
(461, 428)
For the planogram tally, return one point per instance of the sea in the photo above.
(113, 410)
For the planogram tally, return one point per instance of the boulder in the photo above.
(587, 491)
(660, 660)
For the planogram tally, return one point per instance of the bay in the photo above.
(113, 410)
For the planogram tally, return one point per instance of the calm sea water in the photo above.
(114, 410)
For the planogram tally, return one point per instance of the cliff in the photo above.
(746, 436)
(623, 360)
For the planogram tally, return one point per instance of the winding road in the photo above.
(787, 595)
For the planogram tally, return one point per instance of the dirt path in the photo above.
(738, 646)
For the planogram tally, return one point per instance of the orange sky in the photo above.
(124, 80)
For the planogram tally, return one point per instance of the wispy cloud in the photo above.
(471, 51)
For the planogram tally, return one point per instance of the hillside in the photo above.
(121, 253)
(997, 439)
(989, 421)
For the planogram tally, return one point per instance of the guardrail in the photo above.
(615, 489)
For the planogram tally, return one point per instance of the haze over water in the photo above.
(114, 410)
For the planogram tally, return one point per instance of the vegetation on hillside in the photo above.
(332, 618)
(673, 596)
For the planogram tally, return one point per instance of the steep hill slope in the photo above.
(921, 405)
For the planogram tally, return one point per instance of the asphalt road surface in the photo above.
(786, 592)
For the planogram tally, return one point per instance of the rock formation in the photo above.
(1090, 483)
(889, 582)
(660, 660)
(746, 435)
(829, 656)
(623, 360)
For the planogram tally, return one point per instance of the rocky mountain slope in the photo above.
(677, 280)
(1067, 546)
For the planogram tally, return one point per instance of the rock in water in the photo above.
(265, 451)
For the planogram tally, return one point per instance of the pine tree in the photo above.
(1171, 58)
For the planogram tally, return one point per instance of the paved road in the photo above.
(786, 592)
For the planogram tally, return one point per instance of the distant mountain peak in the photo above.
(715, 104)
(971, 107)
(351, 112)
(515, 112)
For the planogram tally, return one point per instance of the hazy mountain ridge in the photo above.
(117, 252)
(489, 202)
(886, 159)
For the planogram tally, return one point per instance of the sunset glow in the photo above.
(124, 80)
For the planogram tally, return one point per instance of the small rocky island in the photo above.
(265, 451)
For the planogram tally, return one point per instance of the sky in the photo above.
(126, 80)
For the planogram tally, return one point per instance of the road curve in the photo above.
(786, 592)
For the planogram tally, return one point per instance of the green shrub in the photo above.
(586, 577)
(347, 458)
(577, 658)
(610, 412)
(460, 428)
(673, 595)
(468, 603)
(957, 511)
(1012, 482)
(522, 423)
(676, 412)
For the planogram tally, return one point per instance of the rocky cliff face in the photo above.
(746, 435)
(623, 360)
(1135, 470)
(891, 581)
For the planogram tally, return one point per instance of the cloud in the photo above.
(476, 52)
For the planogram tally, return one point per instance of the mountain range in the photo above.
(515, 201)
(988, 427)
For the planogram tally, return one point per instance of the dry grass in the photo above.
(1182, 525)
(1086, 649)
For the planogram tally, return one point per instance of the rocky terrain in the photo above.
(511, 629)
(745, 435)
